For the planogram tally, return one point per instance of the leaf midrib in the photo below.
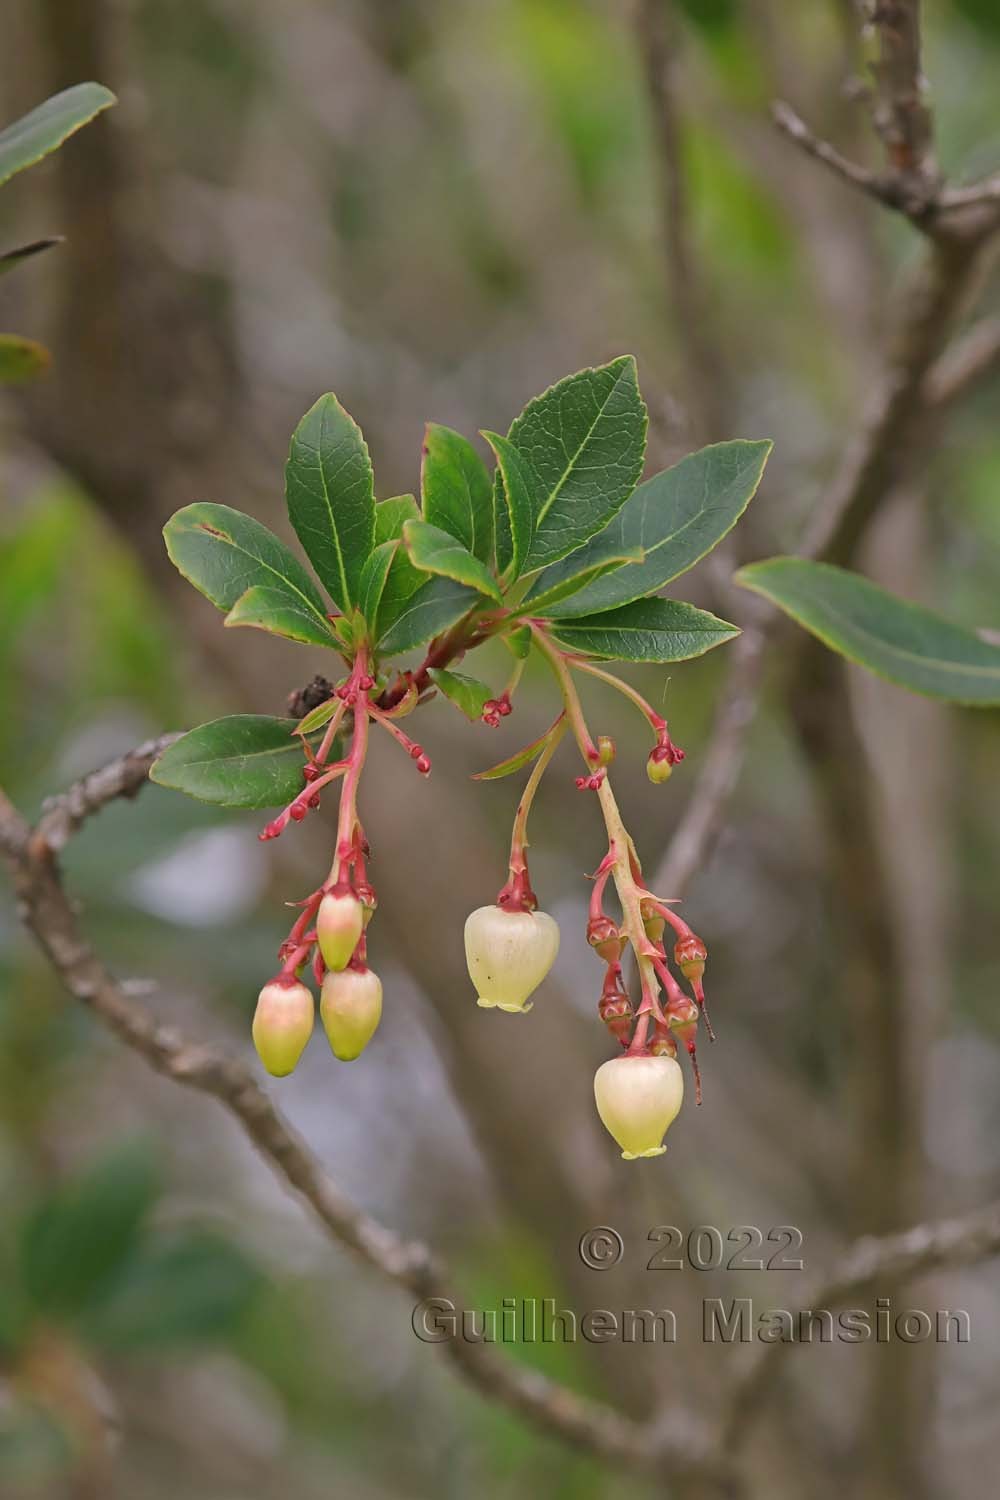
(570, 465)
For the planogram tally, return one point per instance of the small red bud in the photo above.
(416, 751)
(310, 773)
(314, 800)
(424, 765)
(690, 954)
(297, 812)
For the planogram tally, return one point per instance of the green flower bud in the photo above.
(339, 925)
(350, 1008)
(282, 1023)
(637, 1099)
(509, 953)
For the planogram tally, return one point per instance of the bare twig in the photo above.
(44, 907)
(972, 358)
(890, 1258)
(901, 115)
(791, 124)
(659, 43)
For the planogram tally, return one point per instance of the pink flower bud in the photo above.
(690, 954)
(637, 1099)
(350, 1007)
(509, 953)
(282, 1023)
(339, 924)
(659, 767)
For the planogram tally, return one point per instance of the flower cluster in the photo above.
(560, 552)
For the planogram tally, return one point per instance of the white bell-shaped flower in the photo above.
(509, 953)
(637, 1099)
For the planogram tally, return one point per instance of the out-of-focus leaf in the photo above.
(76, 1243)
(245, 760)
(582, 444)
(436, 551)
(10, 259)
(318, 717)
(188, 1288)
(21, 359)
(518, 642)
(330, 492)
(434, 606)
(47, 126)
(456, 489)
(673, 520)
(646, 630)
(894, 639)
(242, 567)
(467, 693)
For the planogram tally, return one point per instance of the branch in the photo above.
(901, 116)
(949, 1244)
(972, 358)
(791, 124)
(659, 47)
(589, 1426)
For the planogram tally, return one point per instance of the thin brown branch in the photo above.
(44, 908)
(792, 125)
(972, 358)
(901, 115)
(891, 1258)
(659, 45)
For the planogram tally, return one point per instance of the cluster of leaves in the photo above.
(86, 1260)
(21, 145)
(562, 531)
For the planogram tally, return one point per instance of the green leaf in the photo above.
(646, 630)
(317, 717)
(189, 1288)
(74, 1245)
(437, 604)
(373, 581)
(467, 693)
(243, 568)
(560, 582)
(391, 515)
(45, 128)
(894, 639)
(21, 359)
(582, 443)
(273, 609)
(519, 759)
(675, 519)
(513, 510)
(10, 259)
(518, 642)
(457, 491)
(329, 488)
(435, 551)
(244, 760)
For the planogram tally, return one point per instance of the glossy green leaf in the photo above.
(11, 259)
(373, 581)
(21, 359)
(391, 515)
(518, 760)
(436, 604)
(646, 630)
(512, 508)
(897, 640)
(244, 760)
(330, 492)
(555, 585)
(457, 491)
(674, 519)
(582, 444)
(75, 1244)
(45, 128)
(244, 569)
(188, 1287)
(281, 613)
(467, 693)
(435, 551)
